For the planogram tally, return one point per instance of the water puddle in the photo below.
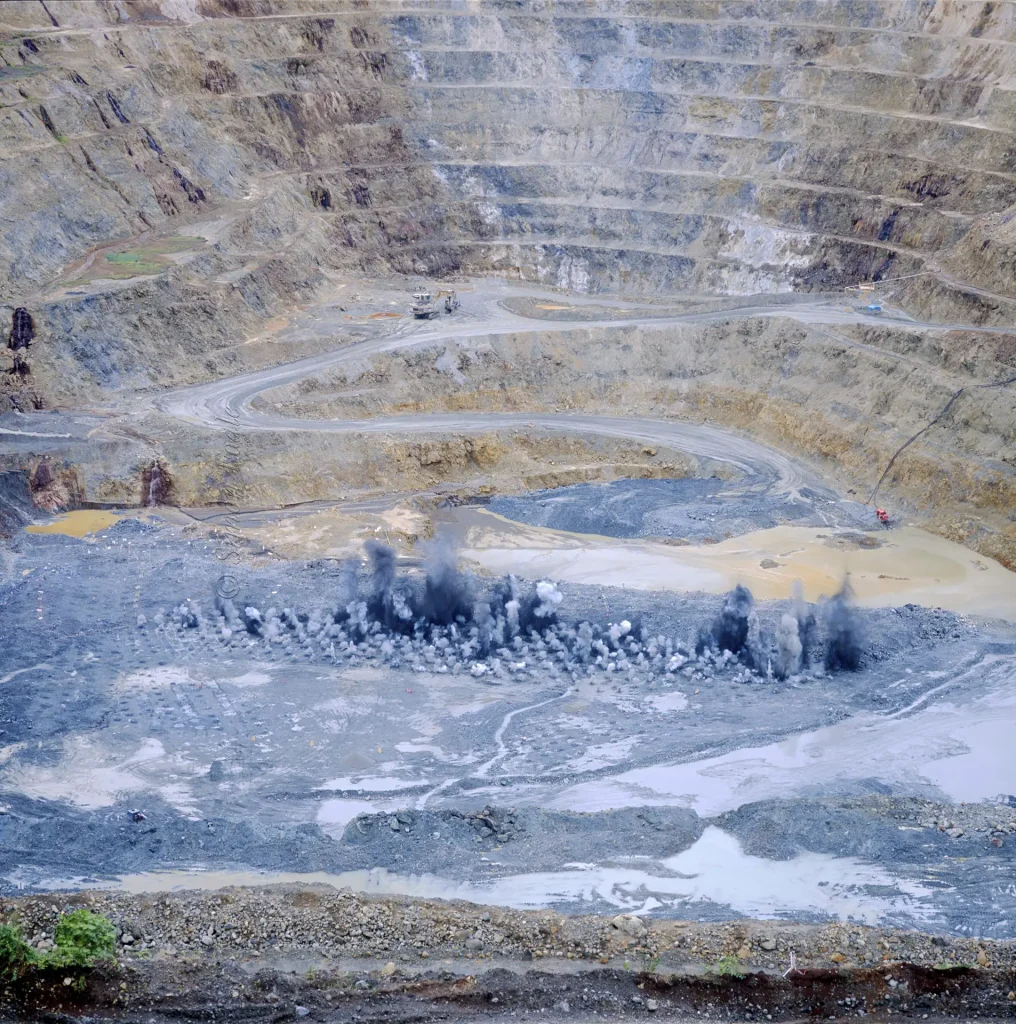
(371, 784)
(665, 702)
(962, 750)
(79, 523)
(910, 565)
(714, 869)
(91, 776)
(334, 815)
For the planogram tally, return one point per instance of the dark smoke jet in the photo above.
(385, 602)
(805, 621)
(751, 653)
(843, 633)
(730, 629)
(382, 568)
(446, 594)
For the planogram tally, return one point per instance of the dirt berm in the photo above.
(283, 952)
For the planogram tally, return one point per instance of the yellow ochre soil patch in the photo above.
(79, 523)
(910, 565)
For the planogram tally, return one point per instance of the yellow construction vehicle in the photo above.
(425, 303)
(424, 306)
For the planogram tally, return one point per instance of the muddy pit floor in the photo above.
(880, 797)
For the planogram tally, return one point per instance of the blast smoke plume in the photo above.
(805, 620)
(730, 629)
(548, 597)
(385, 602)
(788, 647)
(447, 600)
(446, 594)
(524, 612)
(751, 653)
(843, 632)
(439, 621)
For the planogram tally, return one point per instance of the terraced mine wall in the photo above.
(653, 147)
(642, 148)
(807, 388)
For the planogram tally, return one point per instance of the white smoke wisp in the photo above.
(498, 635)
(800, 606)
(753, 642)
(357, 611)
(548, 597)
(400, 606)
(619, 630)
(484, 623)
(789, 647)
(511, 613)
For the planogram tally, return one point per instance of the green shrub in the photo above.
(16, 955)
(728, 967)
(82, 939)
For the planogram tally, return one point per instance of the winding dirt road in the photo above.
(226, 404)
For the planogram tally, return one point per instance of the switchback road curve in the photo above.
(226, 404)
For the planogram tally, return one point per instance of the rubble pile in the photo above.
(452, 624)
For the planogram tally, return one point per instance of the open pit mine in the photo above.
(507, 510)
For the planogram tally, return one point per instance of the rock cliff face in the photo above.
(665, 146)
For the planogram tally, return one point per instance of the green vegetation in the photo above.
(727, 967)
(16, 955)
(82, 939)
(131, 264)
(146, 259)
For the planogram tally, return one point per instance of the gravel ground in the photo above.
(294, 952)
(274, 920)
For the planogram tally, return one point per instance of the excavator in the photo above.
(425, 304)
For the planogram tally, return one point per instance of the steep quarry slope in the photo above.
(674, 146)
